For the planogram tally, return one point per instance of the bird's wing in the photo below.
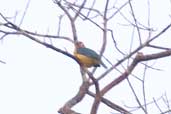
(88, 52)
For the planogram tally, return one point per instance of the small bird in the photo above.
(87, 57)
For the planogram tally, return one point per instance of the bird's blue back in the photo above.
(88, 52)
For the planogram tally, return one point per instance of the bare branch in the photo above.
(51, 47)
(158, 47)
(135, 51)
(134, 108)
(139, 58)
(160, 33)
(166, 101)
(25, 33)
(114, 42)
(91, 7)
(104, 29)
(88, 19)
(80, 8)
(166, 112)
(110, 104)
(63, 8)
(119, 9)
(59, 24)
(149, 34)
(2, 62)
(157, 105)
(90, 12)
(25, 11)
(136, 97)
(143, 88)
(135, 20)
(66, 109)
(72, 21)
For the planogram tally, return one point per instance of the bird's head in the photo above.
(79, 44)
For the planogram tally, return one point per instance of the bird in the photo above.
(87, 57)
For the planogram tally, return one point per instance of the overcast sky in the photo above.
(37, 80)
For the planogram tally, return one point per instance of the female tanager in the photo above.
(86, 56)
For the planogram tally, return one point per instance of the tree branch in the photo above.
(72, 21)
(66, 109)
(135, 51)
(2, 62)
(135, 20)
(97, 99)
(110, 104)
(139, 58)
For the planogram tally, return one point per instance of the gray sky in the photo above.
(37, 80)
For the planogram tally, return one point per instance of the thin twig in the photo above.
(118, 10)
(25, 11)
(110, 104)
(166, 101)
(139, 58)
(149, 33)
(158, 47)
(135, 20)
(80, 8)
(91, 7)
(93, 22)
(114, 42)
(2, 62)
(135, 51)
(72, 21)
(143, 88)
(134, 108)
(158, 107)
(136, 97)
(59, 24)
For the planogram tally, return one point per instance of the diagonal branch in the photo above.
(72, 21)
(50, 46)
(136, 97)
(139, 58)
(20, 31)
(135, 20)
(80, 8)
(2, 62)
(66, 109)
(25, 11)
(110, 104)
(135, 51)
